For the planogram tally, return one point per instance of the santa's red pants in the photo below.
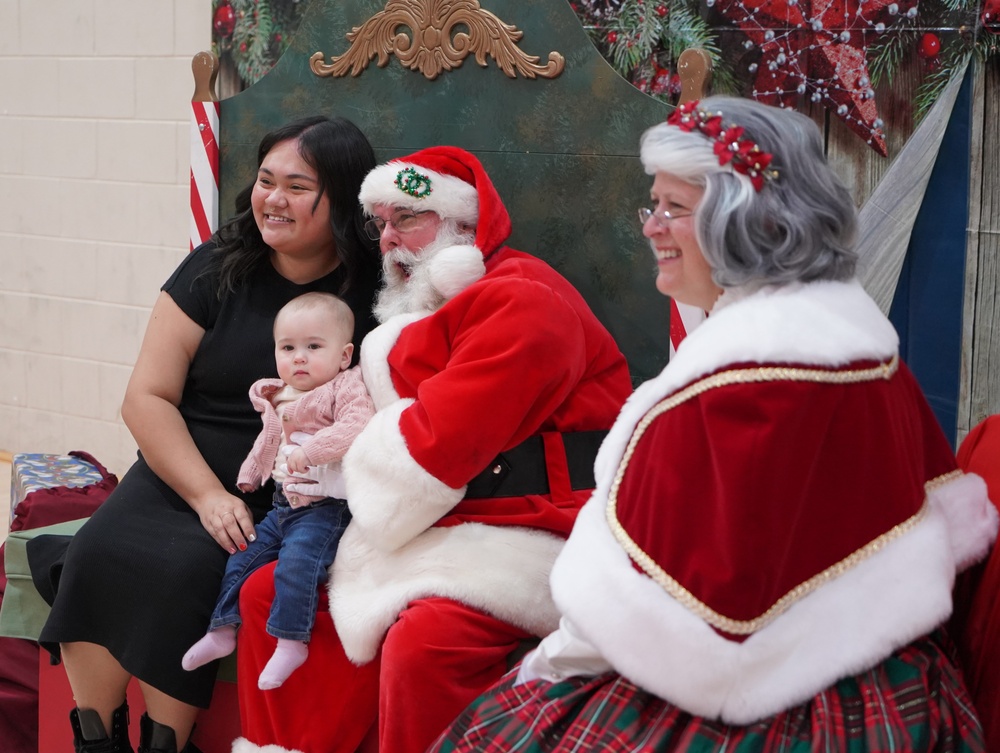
(434, 661)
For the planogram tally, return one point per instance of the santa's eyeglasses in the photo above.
(404, 222)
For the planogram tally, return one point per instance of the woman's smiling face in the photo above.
(682, 271)
(284, 204)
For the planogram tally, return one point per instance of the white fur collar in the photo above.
(820, 323)
(451, 271)
(375, 357)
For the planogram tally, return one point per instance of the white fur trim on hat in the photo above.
(455, 268)
(450, 197)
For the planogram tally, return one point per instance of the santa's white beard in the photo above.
(407, 286)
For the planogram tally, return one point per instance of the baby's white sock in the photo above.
(287, 657)
(215, 645)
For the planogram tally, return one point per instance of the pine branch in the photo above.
(252, 39)
(933, 84)
(638, 28)
(888, 55)
(987, 45)
(959, 5)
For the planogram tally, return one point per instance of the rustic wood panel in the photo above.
(859, 167)
(979, 394)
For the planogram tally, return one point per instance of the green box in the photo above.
(24, 611)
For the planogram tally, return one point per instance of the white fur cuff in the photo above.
(392, 498)
(972, 518)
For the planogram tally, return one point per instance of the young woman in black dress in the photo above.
(141, 576)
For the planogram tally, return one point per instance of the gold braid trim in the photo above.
(745, 376)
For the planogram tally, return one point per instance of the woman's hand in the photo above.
(227, 520)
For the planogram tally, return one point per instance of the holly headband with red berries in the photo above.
(730, 145)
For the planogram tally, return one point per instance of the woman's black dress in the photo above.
(142, 576)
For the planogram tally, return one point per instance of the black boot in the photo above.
(155, 737)
(159, 738)
(89, 735)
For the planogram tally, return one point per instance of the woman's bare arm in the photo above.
(150, 412)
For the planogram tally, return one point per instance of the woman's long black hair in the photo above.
(341, 156)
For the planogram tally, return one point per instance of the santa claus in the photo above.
(494, 384)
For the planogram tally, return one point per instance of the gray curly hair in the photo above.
(800, 227)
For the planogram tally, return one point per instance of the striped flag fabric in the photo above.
(204, 171)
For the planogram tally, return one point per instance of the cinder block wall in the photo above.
(94, 160)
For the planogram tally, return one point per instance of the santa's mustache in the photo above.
(399, 263)
(407, 284)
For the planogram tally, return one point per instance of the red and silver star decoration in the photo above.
(990, 16)
(818, 48)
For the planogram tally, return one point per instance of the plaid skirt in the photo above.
(913, 701)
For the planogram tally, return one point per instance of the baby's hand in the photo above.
(298, 461)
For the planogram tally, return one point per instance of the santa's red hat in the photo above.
(446, 180)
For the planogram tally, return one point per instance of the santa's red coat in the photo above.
(517, 353)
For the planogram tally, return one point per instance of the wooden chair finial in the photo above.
(205, 67)
(694, 66)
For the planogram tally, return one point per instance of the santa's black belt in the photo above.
(522, 469)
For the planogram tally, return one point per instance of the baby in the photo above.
(318, 394)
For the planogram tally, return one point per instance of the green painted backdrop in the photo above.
(562, 152)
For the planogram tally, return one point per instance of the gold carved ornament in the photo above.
(434, 44)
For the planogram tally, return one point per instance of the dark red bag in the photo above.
(19, 657)
(18, 689)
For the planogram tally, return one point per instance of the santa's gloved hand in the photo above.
(319, 481)
(316, 480)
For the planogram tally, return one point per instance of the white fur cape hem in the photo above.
(842, 628)
(503, 571)
(242, 745)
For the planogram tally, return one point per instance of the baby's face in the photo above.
(310, 347)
